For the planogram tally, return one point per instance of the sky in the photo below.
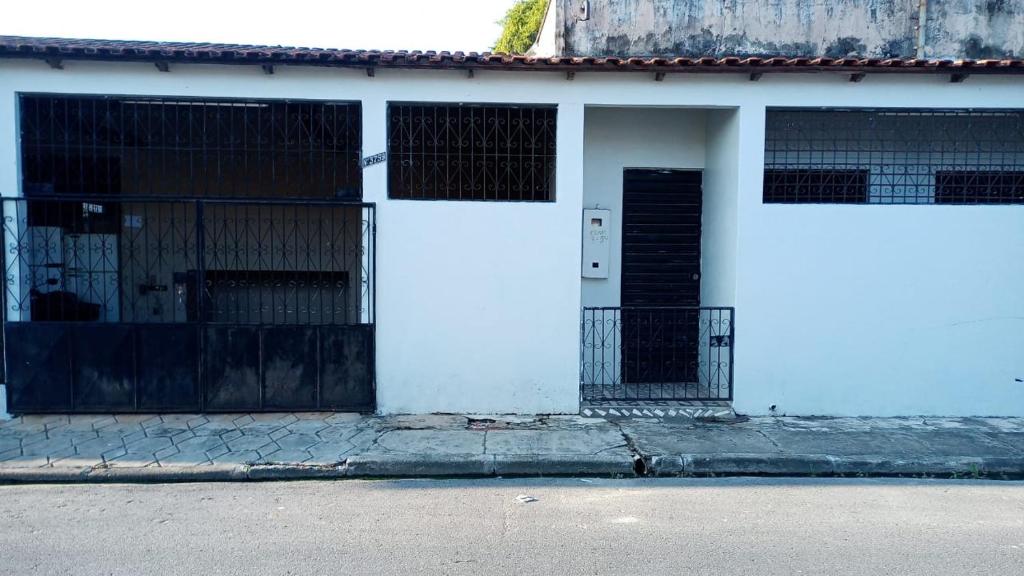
(468, 25)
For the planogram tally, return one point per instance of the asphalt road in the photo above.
(728, 526)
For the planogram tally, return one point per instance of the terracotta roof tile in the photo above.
(199, 52)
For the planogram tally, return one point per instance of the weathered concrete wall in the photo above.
(835, 28)
(975, 29)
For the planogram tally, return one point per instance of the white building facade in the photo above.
(865, 240)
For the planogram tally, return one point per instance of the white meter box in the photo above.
(597, 242)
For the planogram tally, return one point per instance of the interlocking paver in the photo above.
(274, 417)
(9, 454)
(134, 436)
(297, 441)
(196, 421)
(214, 429)
(73, 434)
(9, 443)
(165, 452)
(122, 428)
(307, 426)
(25, 462)
(77, 461)
(327, 453)
(83, 422)
(168, 430)
(47, 447)
(97, 447)
(60, 454)
(152, 421)
(184, 459)
(247, 442)
(113, 453)
(313, 415)
(217, 451)
(200, 444)
(287, 457)
(344, 418)
(338, 432)
(264, 428)
(231, 435)
(238, 457)
(103, 421)
(133, 418)
(147, 445)
(177, 419)
(131, 459)
(49, 421)
(242, 420)
(30, 439)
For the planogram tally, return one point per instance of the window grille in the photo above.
(187, 147)
(816, 186)
(471, 152)
(979, 187)
(894, 156)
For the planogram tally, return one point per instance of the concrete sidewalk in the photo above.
(164, 448)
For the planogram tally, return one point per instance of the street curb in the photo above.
(361, 466)
(591, 465)
(830, 465)
(417, 465)
(485, 466)
(99, 475)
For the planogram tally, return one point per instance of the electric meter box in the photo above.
(597, 228)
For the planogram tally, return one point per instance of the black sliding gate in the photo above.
(115, 304)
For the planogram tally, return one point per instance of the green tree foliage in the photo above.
(520, 26)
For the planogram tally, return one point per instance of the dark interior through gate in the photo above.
(188, 255)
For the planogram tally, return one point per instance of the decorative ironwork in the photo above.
(188, 147)
(894, 156)
(646, 353)
(144, 261)
(471, 152)
(150, 304)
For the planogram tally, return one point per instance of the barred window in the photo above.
(979, 187)
(894, 156)
(816, 186)
(189, 147)
(471, 152)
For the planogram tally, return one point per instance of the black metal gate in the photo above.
(656, 353)
(153, 304)
(661, 230)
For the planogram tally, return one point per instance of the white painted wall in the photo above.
(620, 138)
(718, 216)
(840, 309)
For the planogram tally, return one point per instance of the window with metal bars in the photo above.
(188, 147)
(816, 186)
(471, 152)
(894, 156)
(979, 187)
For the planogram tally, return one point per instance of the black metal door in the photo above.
(661, 223)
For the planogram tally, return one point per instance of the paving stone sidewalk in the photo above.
(184, 447)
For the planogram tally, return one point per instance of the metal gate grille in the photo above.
(656, 354)
(150, 304)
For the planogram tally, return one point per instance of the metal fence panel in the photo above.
(656, 353)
